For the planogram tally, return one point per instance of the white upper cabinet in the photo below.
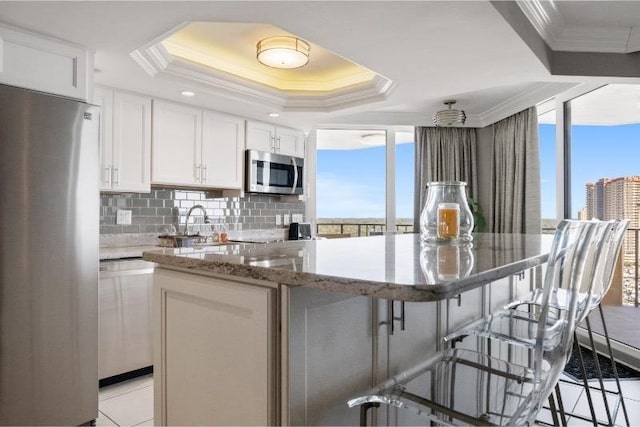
(222, 154)
(196, 148)
(290, 142)
(125, 141)
(177, 141)
(35, 62)
(274, 139)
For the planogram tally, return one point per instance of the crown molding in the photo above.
(593, 39)
(551, 26)
(535, 94)
(157, 61)
(544, 17)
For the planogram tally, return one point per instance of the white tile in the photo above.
(609, 384)
(573, 421)
(631, 389)
(125, 387)
(146, 423)
(582, 407)
(103, 420)
(633, 410)
(130, 408)
(544, 416)
(570, 395)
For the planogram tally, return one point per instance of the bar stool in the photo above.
(474, 387)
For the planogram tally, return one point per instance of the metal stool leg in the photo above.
(613, 364)
(597, 363)
(594, 420)
(563, 415)
(364, 408)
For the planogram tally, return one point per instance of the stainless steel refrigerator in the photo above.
(49, 201)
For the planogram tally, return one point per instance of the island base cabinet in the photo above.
(331, 355)
(214, 352)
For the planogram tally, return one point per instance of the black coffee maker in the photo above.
(299, 231)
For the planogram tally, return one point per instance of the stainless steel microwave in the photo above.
(273, 173)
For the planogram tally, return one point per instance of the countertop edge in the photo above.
(385, 290)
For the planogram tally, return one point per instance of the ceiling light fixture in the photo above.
(449, 117)
(274, 114)
(283, 52)
(187, 93)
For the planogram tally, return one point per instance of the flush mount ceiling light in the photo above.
(187, 93)
(449, 117)
(283, 52)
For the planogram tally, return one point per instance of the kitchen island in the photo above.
(285, 333)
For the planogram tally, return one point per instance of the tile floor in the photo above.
(575, 401)
(129, 403)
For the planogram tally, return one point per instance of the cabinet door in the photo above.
(104, 98)
(260, 136)
(214, 351)
(222, 150)
(176, 144)
(331, 355)
(43, 64)
(290, 142)
(131, 143)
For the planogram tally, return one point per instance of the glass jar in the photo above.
(442, 263)
(446, 216)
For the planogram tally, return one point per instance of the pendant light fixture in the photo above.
(283, 52)
(449, 117)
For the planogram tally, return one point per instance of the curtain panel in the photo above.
(515, 195)
(443, 154)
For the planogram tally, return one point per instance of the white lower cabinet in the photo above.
(221, 359)
(215, 352)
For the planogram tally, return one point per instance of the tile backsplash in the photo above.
(155, 212)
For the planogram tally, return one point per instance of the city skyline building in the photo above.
(615, 198)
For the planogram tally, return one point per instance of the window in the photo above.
(351, 181)
(548, 181)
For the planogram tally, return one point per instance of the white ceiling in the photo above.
(432, 51)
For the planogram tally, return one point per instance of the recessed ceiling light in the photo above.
(187, 93)
(274, 114)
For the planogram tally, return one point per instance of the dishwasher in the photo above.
(125, 335)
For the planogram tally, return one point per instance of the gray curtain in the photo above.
(515, 194)
(443, 154)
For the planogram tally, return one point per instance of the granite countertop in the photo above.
(393, 266)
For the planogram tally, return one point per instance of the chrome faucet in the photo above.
(186, 222)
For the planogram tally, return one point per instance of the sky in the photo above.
(350, 183)
(596, 152)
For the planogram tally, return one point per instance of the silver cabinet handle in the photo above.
(391, 317)
(204, 173)
(115, 177)
(106, 176)
(278, 143)
(273, 143)
(198, 173)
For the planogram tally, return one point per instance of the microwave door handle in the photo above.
(266, 176)
(295, 175)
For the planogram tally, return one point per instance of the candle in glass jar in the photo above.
(448, 220)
